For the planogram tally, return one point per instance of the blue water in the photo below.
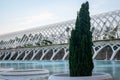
(111, 67)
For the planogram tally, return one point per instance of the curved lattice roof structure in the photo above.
(103, 26)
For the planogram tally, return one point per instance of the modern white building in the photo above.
(106, 33)
(103, 26)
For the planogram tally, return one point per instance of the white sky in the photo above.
(16, 15)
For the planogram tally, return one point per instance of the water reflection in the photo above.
(112, 67)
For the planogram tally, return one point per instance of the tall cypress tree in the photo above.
(80, 48)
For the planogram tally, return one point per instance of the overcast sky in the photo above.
(16, 15)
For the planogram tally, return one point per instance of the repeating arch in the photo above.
(103, 50)
(106, 36)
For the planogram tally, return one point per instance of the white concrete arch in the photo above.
(54, 50)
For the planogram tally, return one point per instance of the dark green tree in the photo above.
(80, 48)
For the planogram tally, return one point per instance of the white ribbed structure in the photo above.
(104, 26)
(61, 52)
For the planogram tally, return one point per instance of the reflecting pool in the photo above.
(112, 67)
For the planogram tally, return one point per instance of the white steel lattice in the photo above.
(103, 26)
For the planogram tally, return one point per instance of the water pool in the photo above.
(112, 67)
